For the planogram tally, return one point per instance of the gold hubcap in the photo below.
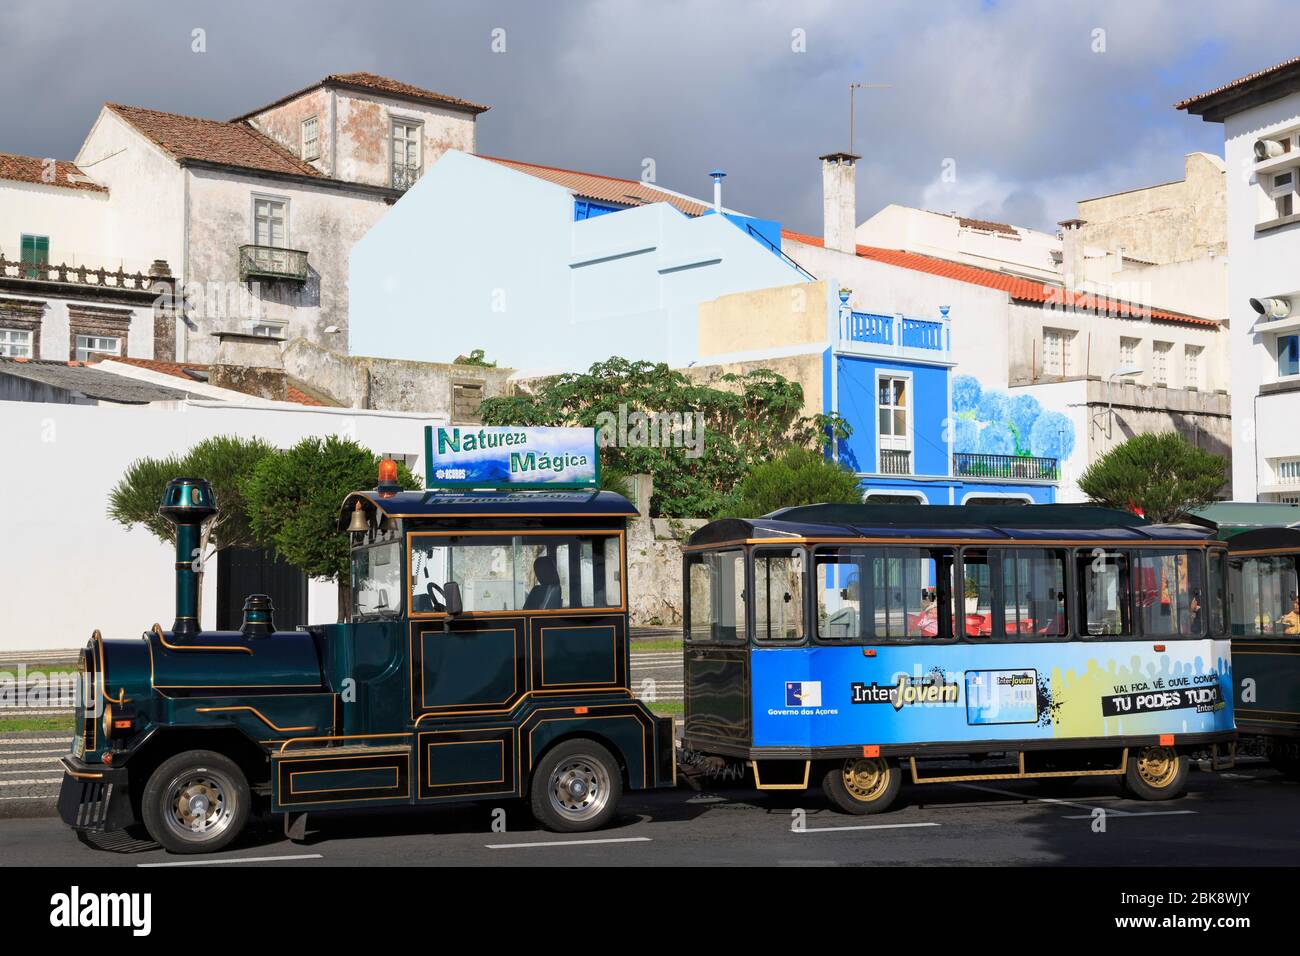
(866, 778)
(1158, 766)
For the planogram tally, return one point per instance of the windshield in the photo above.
(376, 580)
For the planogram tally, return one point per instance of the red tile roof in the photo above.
(179, 369)
(1270, 73)
(30, 169)
(628, 192)
(1017, 288)
(374, 83)
(214, 141)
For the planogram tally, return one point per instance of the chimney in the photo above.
(252, 364)
(1071, 253)
(187, 503)
(718, 176)
(839, 201)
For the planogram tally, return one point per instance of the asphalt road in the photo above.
(1246, 817)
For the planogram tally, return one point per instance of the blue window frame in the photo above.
(1288, 355)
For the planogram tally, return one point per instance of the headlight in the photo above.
(120, 721)
(108, 720)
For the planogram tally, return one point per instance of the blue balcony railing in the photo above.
(978, 465)
(898, 331)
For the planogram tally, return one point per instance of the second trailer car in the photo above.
(853, 645)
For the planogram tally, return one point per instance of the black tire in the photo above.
(863, 785)
(216, 788)
(1156, 773)
(576, 787)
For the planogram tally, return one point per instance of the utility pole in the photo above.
(853, 88)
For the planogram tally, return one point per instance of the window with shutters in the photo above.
(15, 343)
(310, 138)
(270, 222)
(1128, 351)
(1160, 362)
(1192, 366)
(35, 251)
(1058, 352)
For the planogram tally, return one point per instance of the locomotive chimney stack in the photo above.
(187, 503)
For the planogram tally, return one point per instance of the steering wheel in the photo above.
(439, 600)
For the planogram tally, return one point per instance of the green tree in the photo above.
(800, 476)
(475, 357)
(294, 497)
(225, 461)
(748, 419)
(1161, 475)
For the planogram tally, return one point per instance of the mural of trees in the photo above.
(991, 422)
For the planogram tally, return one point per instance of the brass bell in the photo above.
(358, 524)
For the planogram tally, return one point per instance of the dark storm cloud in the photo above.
(1015, 97)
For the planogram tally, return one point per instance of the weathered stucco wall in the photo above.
(1171, 222)
(365, 135)
(806, 369)
(358, 381)
(324, 222)
(283, 124)
(763, 319)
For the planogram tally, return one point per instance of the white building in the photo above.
(549, 269)
(1260, 114)
(254, 217)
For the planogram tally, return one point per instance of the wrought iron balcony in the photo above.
(976, 465)
(894, 461)
(404, 176)
(272, 262)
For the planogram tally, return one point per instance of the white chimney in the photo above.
(1071, 253)
(839, 201)
(718, 176)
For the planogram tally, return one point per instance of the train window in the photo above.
(1169, 590)
(1104, 598)
(717, 596)
(1266, 596)
(884, 594)
(1217, 590)
(1033, 593)
(377, 580)
(778, 595)
(516, 572)
(977, 594)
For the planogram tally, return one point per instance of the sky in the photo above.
(1009, 110)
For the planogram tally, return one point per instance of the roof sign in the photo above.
(502, 457)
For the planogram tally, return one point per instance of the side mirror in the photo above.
(451, 598)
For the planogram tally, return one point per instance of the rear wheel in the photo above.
(863, 785)
(196, 802)
(576, 787)
(1156, 773)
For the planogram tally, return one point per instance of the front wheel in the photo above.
(1156, 773)
(863, 785)
(196, 802)
(576, 787)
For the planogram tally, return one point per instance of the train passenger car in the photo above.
(486, 658)
(852, 645)
(1266, 641)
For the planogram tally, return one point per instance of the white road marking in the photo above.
(1145, 813)
(28, 741)
(26, 768)
(18, 753)
(518, 846)
(872, 826)
(238, 859)
(30, 781)
(1028, 799)
(35, 796)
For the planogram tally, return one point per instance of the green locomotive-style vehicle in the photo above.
(486, 659)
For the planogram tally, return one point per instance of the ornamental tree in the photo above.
(799, 476)
(293, 500)
(1161, 475)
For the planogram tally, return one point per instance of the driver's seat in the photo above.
(545, 594)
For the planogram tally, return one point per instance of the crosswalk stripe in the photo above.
(30, 781)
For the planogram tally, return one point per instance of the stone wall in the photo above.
(654, 561)
(393, 385)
